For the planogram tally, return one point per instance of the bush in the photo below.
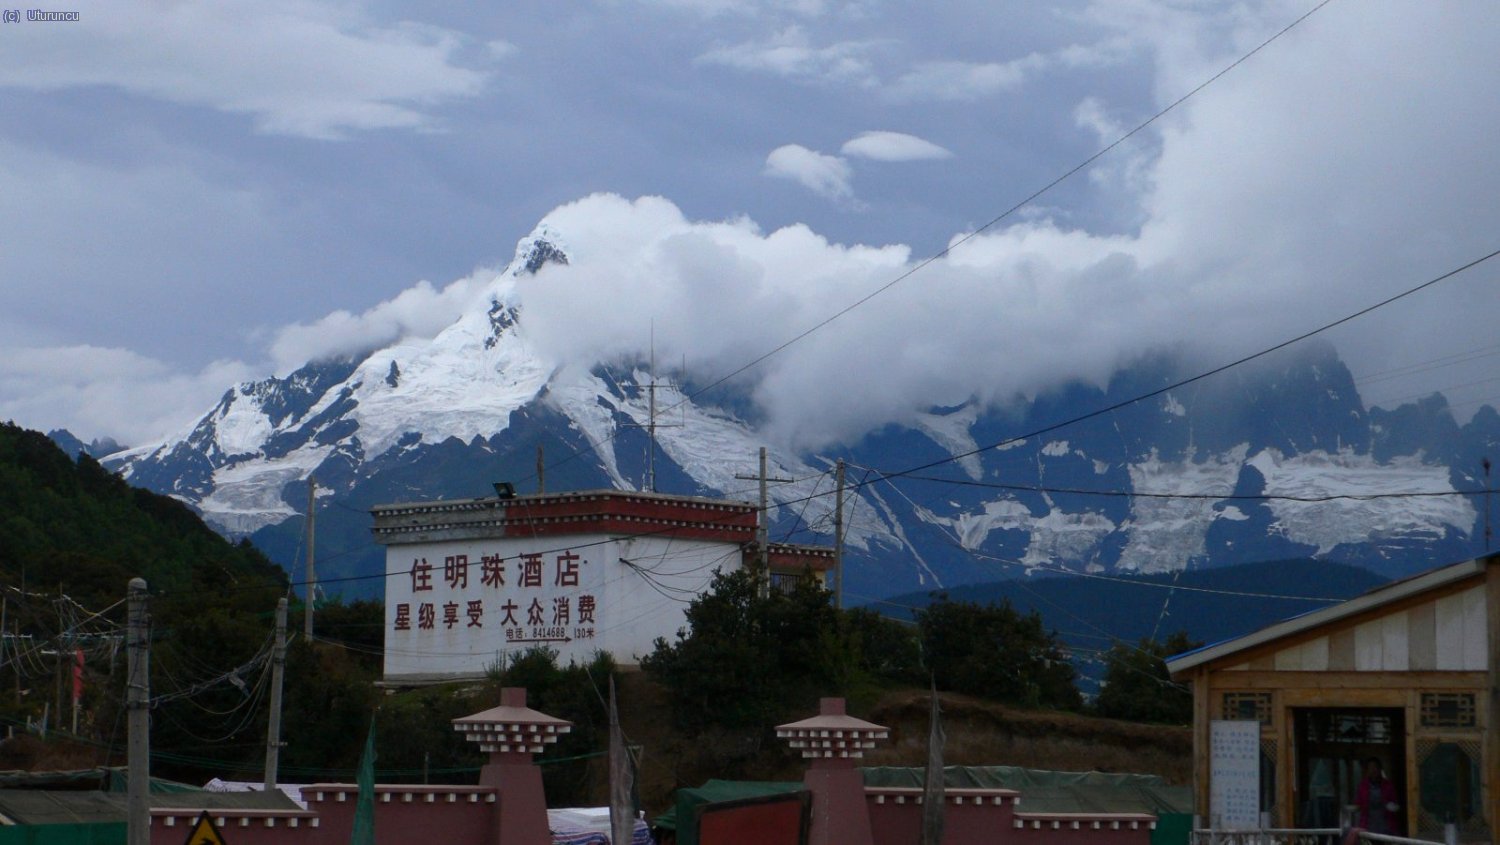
(1138, 687)
(997, 653)
(752, 659)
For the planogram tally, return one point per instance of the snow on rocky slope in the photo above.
(393, 423)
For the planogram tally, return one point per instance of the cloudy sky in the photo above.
(193, 193)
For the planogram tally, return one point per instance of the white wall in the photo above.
(631, 606)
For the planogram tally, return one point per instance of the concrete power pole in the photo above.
(763, 519)
(838, 539)
(763, 536)
(278, 666)
(138, 698)
(312, 573)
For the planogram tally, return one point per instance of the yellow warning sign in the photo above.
(205, 832)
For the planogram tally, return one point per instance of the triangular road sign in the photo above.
(205, 832)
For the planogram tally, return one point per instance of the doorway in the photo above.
(1332, 744)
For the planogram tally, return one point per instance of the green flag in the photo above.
(364, 810)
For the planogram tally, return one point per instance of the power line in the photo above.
(1124, 403)
(994, 221)
(1098, 412)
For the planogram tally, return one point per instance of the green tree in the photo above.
(1137, 686)
(889, 650)
(995, 652)
(750, 658)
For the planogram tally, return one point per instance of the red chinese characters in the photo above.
(456, 571)
(551, 606)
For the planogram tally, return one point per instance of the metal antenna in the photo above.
(651, 424)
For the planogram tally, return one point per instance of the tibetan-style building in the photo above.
(472, 581)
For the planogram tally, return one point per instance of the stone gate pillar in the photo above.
(511, 734)
(833, 741)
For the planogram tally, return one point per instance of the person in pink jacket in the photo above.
(1376, 800)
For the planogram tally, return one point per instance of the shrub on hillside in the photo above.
(995, 652)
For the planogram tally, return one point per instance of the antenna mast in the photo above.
(651, 425)
(651, 418)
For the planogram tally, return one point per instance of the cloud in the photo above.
(954, 80)
(93, 390)
(791, 54)
(1308, 184)
(416, 313)
(713, 8)
(297, 67)
(1341, 165)
(882, 145)
(825, 175)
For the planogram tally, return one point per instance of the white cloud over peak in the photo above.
(882, 145)
(416, 313)
(92, 390)
(297, 67)
(825, 175)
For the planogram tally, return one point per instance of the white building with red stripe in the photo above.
(472, 581)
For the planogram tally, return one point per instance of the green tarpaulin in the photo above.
(64, 834)
(714, 792)
(1172, 829)
(104, 778)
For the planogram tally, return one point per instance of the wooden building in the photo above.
(1404, 674)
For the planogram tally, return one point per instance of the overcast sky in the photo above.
(188, 190)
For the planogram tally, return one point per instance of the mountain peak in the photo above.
(538, 249)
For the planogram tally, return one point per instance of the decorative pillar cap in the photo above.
(832, 734)
(512, 728)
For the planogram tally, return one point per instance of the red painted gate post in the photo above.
(510, 734)
(833, 740)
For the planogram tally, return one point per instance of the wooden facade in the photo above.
(1403, 674)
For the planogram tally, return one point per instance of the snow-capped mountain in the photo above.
(1238, 469)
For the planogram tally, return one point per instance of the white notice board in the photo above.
(1234, 776)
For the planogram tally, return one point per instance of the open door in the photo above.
(1332, 745)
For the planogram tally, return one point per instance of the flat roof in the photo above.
(620, 512)
(1383, 595)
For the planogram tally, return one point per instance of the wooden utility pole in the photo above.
(278, 666)
(541, 470)
(138, 698)
(312, 573)
(838, 538)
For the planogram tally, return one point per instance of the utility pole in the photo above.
(763, 519)
(1486, 464)
(312, 573)
(651, 424)
(278, 666)
(541, 470)
(838, 538)
(138, 696)
(651, 420)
